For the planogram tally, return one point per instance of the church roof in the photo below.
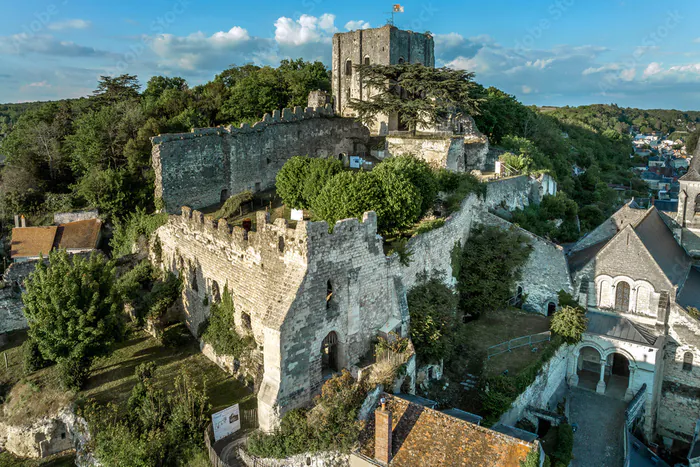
(663, 247)
(690, 294)
(579, 259)
(606, 324)
(693, 173)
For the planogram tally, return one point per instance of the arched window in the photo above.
(245, 321)
(401, 61)
(348, 68)
(688, 361)
(697, 203)
(622, 296)
(329, 354)
(329, 293)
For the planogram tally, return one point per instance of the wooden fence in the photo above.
(518, 342)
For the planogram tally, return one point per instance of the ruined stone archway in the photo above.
(330, 358)
(589, 367)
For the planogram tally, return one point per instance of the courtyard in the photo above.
(600, 418)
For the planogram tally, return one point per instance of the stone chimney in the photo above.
(16, 220)
(23, 220)
(382, 434)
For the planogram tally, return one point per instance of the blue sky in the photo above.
(555, 52)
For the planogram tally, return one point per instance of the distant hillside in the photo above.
(10, 113)
(601, 117)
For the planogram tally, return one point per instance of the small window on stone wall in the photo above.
(366, 60)
(215, 292)
(280, 244)
(329, 294)
(245, 321)
(193, 280)
(697, 204)
(348, 68)
(688, 361)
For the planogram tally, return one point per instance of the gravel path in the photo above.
(598, 440)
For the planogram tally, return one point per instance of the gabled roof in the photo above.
(424, 437)
(663, 247)
(29, 242)
(80, 235)
(616, 326)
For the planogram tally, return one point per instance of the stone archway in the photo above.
(589, 369)
(618, 376)
(330, 355)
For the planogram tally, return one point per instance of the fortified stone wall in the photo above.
(204, 167)
(545, 392)
(679, 406)
(366, 297)
(512, 193)
(546, 271)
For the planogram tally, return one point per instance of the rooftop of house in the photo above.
(426, 437)
(30, 242)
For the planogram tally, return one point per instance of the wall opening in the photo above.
(697, 204)
(551, 308)
(401, 60)
(619, 379)
(588, 368)
(280, 244)
(215, 292)
(329, 354)
(622, 296)
(224, 195)
(245, 321)
(193, 279)
(366, 60)
(688, 361)
(348, 68)
(329, 293)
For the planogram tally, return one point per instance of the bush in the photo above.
(231, 206)
(220, 331)
(320, 172)
(331, 425)
(401, 206)
(563, 451)
(349, 194)
(163, 295)
(428, 225)
(158, 428)
(32, 358)
(569, 323)
(459, 187)
(128, 231)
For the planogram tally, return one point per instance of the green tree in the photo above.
(290, 181)
(421, 96)
(319, 172)
(490, 266)
(73, 310)
(120, 88)
(433, 309)
(570, 323)
(349, 194)
(418, 172)
(401, 207)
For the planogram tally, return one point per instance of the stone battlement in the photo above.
(286, 115)
(277, 235)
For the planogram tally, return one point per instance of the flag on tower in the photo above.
(398, 8)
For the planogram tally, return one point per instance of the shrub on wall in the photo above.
(331, 425)
(220, 330)
(418, 172)
(127, 231)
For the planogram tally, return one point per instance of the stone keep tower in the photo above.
(387, 45)
(689, 196)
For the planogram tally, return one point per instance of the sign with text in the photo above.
(226, 422)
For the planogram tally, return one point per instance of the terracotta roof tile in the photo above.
(424, 437)
(28, 242)
(80, 235)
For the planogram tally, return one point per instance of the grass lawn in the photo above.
(500, 326)
(8, 460)
(112, 377)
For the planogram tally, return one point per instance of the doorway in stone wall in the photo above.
(551, 308)
(329, 355)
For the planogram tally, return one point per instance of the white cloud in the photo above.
(216, 51)
(628, 74)
(526, 89)
(69, 24)
(40, 84)
(652, 69)
(354, 25)
(25, 43)
(307, 29)
(601, 69)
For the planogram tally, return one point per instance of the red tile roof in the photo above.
(424, 437)
(28, 242)
(80, 235)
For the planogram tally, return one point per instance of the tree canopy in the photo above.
(73, 310)
(421, 96)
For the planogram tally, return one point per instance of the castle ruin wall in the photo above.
(204, 167)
